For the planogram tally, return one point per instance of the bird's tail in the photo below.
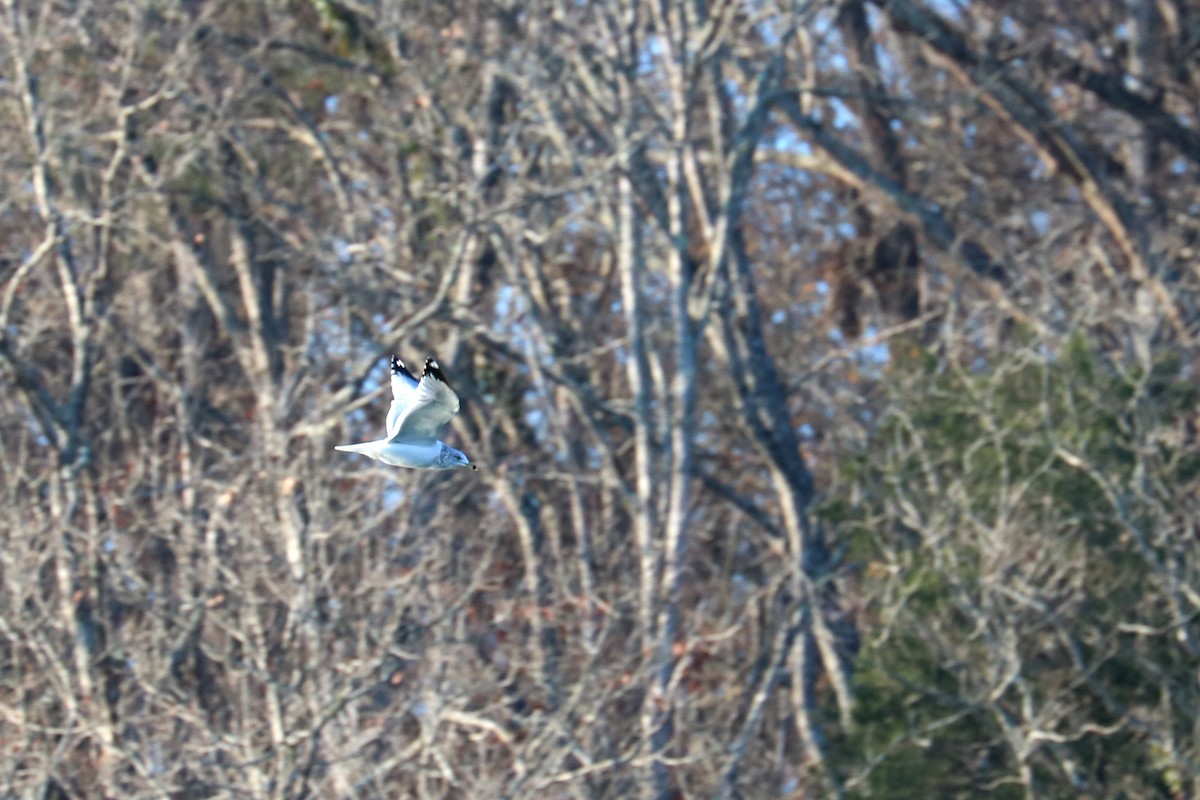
(352, 448)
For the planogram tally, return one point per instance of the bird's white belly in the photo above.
(408, 455)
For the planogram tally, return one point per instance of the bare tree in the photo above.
(828, 365)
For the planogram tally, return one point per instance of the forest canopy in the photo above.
(830, 368)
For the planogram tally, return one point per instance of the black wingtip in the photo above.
(398, 368)
(432, 368)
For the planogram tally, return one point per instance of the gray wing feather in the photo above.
(432, 406)
(404, 391)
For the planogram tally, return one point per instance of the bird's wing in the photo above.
(404, 392)
(432, 406)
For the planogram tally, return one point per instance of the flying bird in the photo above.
(419, 411)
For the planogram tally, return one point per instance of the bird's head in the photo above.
(453, 459)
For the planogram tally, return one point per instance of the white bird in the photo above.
(419, 411)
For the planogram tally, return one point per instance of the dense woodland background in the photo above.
(831, 367)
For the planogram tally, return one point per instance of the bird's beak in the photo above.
(472, 466)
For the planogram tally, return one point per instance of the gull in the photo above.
(419, 411)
